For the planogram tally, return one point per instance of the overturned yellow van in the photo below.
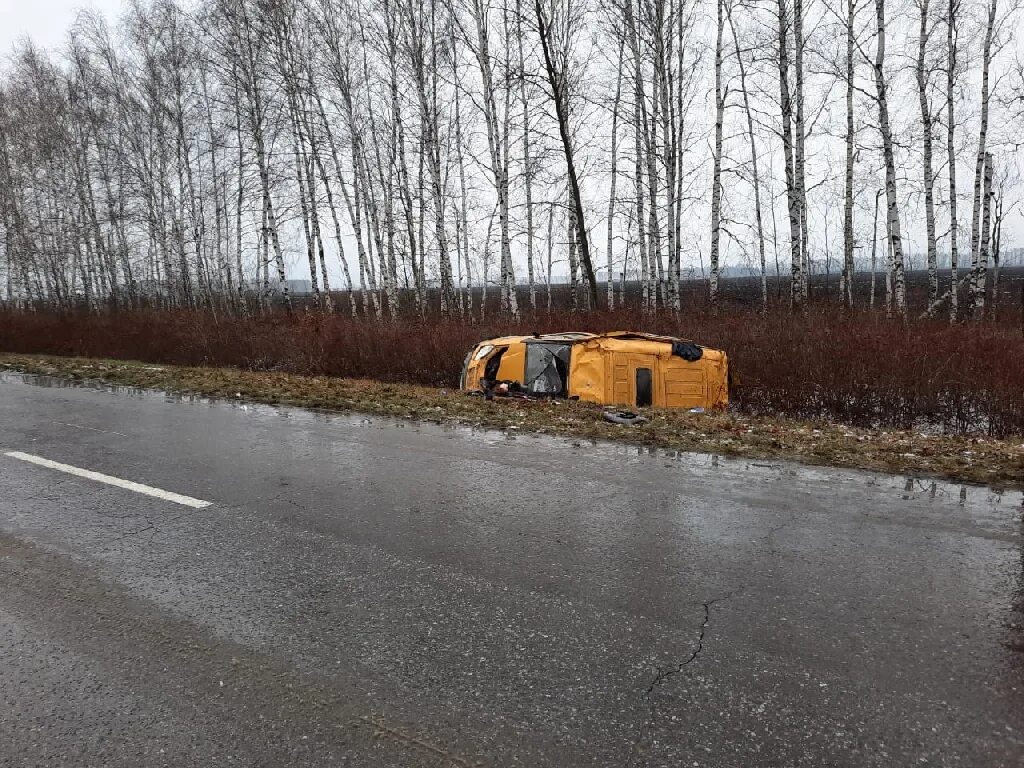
(616, 368)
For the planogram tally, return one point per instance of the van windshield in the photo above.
(547, 369)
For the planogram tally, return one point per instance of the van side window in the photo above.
(644, 390)
(547, 369)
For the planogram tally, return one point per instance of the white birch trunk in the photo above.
(951, 63)
(611, 185)
(888, 152)
(716, 175)
(981, 271)
(926, 147)
(528, 161)
(799, 137)
(848, 266)
(978, 283)
(463, 204)
(792, 191)
(874, 249)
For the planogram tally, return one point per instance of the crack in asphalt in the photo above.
(663, 675)
(153, 526)
(44, 494)
(769, 537)
(150, 526)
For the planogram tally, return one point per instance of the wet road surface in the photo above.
(368, 592)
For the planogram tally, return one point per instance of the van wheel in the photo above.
(624, 417)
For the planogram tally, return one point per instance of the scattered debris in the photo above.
(624, 417)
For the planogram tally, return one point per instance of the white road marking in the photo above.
(147, 490)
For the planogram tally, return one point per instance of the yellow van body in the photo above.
(616, 368)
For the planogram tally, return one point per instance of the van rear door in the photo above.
(685, 384)
(635, 380)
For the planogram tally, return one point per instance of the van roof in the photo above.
(575, 337)
(566, 336)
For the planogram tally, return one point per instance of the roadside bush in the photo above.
(860, 369)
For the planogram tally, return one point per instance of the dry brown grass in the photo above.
(973, 459)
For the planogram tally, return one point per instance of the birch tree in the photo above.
(793, 197)
(888, 153)
(497, 144)
(923, 73)
(848, 238)
(952, 10)
(716, 177)
(978, 268)
(555, 28)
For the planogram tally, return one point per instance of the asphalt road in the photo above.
(374, 593)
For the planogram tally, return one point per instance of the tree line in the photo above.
(405, 151)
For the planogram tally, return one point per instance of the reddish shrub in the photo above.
(860, 369)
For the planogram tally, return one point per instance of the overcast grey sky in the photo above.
(45, 21)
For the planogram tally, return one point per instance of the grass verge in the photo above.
(998, 463)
